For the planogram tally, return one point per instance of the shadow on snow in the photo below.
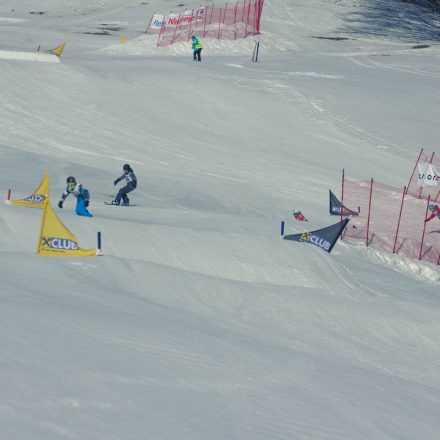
(406, 21)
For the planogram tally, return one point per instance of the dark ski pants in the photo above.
(198, 55)
(123, 193)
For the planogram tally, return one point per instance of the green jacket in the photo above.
(196, 44)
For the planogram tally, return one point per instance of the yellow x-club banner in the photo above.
(56, 240)
(55, 51)
(37, 198)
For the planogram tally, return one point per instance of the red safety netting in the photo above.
(230, 21)
(391, 220)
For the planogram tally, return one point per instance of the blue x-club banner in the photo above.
(324, 238)
(337, 208)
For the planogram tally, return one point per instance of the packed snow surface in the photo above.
(199, 322)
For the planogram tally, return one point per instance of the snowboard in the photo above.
(125, 206)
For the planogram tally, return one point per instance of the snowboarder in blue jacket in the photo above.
(131, 180)
(82, 197)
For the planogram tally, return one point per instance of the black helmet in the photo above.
(126, 168)
(71, 179)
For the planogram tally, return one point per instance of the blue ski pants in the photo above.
(81, 208)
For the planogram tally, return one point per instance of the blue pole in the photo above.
(99, 240)
(282, 228)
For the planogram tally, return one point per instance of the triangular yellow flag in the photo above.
(37, 198)
(56, 51)
(56, 240)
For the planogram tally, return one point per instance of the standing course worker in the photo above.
(197, 48)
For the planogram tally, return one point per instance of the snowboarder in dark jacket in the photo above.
(81, 194)
(130, 186)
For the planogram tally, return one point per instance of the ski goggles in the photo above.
(71, 186)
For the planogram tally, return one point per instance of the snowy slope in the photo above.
(199, 322)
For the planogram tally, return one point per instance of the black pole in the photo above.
(255, 54)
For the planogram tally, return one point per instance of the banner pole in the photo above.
(205, 14)
(190, 29)
(161, 31)
(342, 200)
(235, 21)
(424, 228)
(99, 241)
(175, 30)
(212, 11)
(282, 228)
(149, 23)
(342, 195)
(369, 210)
(260, 10)
(247, 19)
(398, 222)
(242, 13)
(421, 188)
(255, 17)
(9, 194)
(415, 166)
(219, 23)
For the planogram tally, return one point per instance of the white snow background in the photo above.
(199, 322)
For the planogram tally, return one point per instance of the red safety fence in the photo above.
(229, 21)
(392, 220)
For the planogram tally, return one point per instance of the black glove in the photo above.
(60, 204)
(115, 182)
(86, 203)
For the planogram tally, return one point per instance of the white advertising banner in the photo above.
(200, 13)
(175, 19)
(172, 19)
(157, 21)
(428, 175)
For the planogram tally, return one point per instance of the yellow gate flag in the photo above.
(58, 50)
(56, 240)
(55, 51)
(37, 198)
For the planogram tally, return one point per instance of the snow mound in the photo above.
(28, 56)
